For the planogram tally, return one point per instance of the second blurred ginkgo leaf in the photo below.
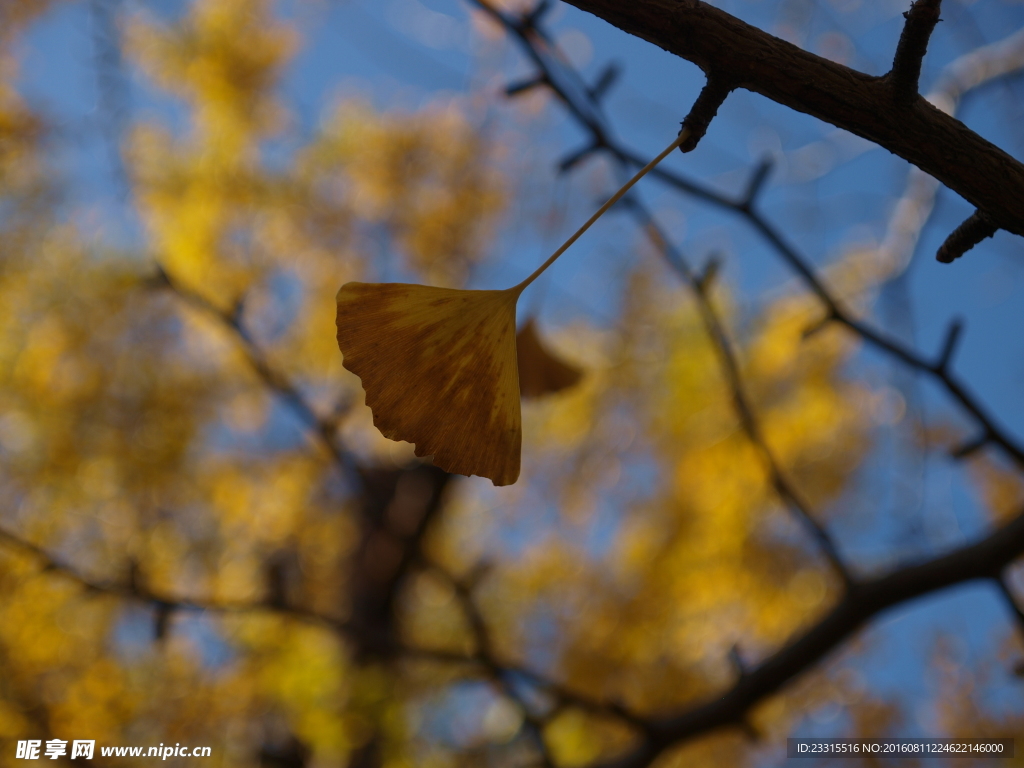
(541, 372)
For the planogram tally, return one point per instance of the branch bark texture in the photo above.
(746, 57)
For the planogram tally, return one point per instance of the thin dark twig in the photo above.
(906, 66)
(484, 654)
(972, 231)
(1011, 600)
(838, 313)
(533, 723)
(969, 447)
(323, 427)
(953, 334)
(744, 408)
(162, 602)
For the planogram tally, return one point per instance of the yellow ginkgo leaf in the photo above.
(439, 364)
(540, 370)
(439, 369)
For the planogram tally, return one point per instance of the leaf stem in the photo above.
(683, 135)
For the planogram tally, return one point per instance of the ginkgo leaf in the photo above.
(541, 371)
(439, 365)
(439, 369)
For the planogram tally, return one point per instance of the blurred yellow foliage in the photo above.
(421, 175)
(183, 556)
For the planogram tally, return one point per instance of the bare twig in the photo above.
(703, 111)
(975, 228)
(970, 447)
(1011, 600)
(164, 605)
(953, 334)
(906, 66)
(744, 409)
(322, 427)
(161, 602)
(533, 723)
(484, 654)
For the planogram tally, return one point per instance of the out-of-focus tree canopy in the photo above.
(205, 541)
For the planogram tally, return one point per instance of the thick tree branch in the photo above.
(746, 57)
(958, 78)
(982, 560)
(399, 506)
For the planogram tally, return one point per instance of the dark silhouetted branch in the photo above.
(134, 588)
(573, 159)
(964, 450)
(756, 183)
(953, 334)
(533, 18)
(522, 86)
(975, 229)
(1011, 600)
(708, 275)
(878, 339)
(746, 57)
(870, 598)
(817, 326)
(906, 65)
(162, 614)
(744, 409)
(604, 81)
(500, 671)
(704, 109)
(323, 427)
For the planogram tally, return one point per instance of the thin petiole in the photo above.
(683, 135)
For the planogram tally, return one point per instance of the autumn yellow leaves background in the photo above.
(182, 446)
